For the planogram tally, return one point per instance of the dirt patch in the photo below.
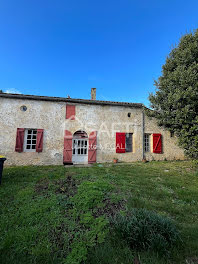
(67, 186)
(110, 209)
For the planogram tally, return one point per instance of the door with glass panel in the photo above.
(79, 150)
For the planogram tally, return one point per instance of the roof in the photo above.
(68, 100)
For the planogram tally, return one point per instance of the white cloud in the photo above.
(12, 91)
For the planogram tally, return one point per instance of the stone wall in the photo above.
(170, 148)
(50, 116)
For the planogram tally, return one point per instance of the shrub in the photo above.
(143, 229)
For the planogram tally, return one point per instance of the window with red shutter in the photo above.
(29, 140)
(120, 142)
(19, 140)
(157, 143)
(70, 111)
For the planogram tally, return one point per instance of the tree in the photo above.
(175, 102)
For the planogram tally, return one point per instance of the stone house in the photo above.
(41, 130)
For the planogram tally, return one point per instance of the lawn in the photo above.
(54, 214)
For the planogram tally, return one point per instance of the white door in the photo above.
(80, 152)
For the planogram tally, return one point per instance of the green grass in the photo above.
(61, 215)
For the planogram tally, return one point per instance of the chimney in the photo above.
(93, 93)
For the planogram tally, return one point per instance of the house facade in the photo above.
(40, 130)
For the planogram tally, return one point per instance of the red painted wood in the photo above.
(120, 143)
(19, 140)
(157, 143)
(92, 147)
(39, 140)
(70, 112)
(67, 152)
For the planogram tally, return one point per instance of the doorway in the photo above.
(80, 147)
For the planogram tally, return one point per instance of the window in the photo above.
(80, 147)
(124, 142)
(23, 108)
(30, 140)
(146, 142)
(129, 142)
(172, 134)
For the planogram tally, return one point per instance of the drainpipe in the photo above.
(142, 132)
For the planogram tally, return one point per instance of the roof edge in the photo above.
(69, 100)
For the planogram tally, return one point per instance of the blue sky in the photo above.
(65, 47)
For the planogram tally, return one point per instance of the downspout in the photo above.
(142, 133)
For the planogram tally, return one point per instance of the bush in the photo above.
(143, 229)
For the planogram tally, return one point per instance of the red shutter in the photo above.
(157, 143)
(120, 143)
(39, 140)
(19, 139)
(67, 152)
(70, 112)
(92, 147)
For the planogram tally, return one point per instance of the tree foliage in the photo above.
(175, 102)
